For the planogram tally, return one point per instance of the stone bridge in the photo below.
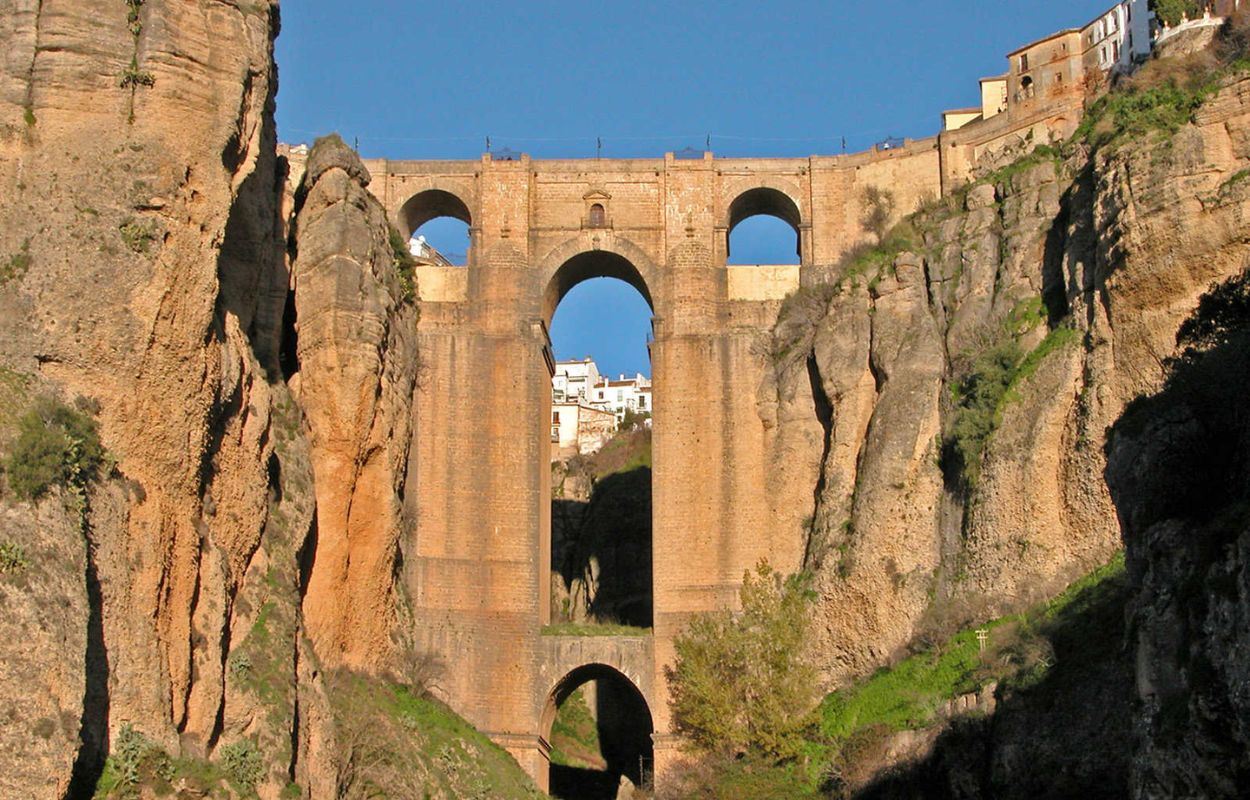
(479, 557)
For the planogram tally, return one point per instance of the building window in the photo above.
(620, 395)
(642, 402)
(1024, 62)
(598, 217)
(1026, 87)
(555, 417)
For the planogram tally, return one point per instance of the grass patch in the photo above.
(405, 265)
(575, 735)
(404, 745)
(16, 265)
(593, 629)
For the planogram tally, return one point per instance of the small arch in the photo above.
(431, 204)
(443, 221)
(765, 201)
(625, 727)
(598, 216)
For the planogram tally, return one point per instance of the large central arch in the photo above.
(584, 257)
(568, 266)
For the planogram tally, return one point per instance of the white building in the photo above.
(624, 394)
(1120, 38)
(574, 380)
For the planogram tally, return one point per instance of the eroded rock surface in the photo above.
(1090, 265)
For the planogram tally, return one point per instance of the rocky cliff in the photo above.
(947, 391)
(181, 611)
(949, 394)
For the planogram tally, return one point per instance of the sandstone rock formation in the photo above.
(1089, 264)
(138, 159)
(1177, 468)
(357, 369)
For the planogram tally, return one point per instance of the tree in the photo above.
(55, 446)
(878, 208)
(742, 682)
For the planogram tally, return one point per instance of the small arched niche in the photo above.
(764, 225)
(603, 705)
(436, 224)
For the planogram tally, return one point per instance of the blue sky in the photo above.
(433, 80)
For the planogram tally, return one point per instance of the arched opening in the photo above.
(599, 728)
(436, 223)
(598, 540)
(764, 229)
(598, 216)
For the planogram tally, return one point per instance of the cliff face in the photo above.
(138, 162)
(1177, 468)
(357, 370)
(1059, 281)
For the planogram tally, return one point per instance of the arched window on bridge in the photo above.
(763, 229)
(436, 224)
(599, 728)
(600, 458)
(598, 217)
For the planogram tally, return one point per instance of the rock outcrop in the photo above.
(1081, 268)
(137, 156)
(357, 370)
(1179, 470)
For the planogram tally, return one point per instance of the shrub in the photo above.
(55, 446)
(241, 763)
(137, 235)
(976, 395)
(13, 558)
(878, 208)
(405, 265)
(741, 683)
(1172, 11)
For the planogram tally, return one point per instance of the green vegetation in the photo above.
(1173, 11)
(138, 236)
(241, 762)
(135, 760)
(1132, 113)
(575, 735)
(1040, 154)
(13, 559)
(133, 22)
(1037, 654)
(397, 744)
(741, 683)
(985, 381)
(405, 265)
(16, 265)
(28, 114)
(593, 629)
(134, 77)
(873, 262)
(137, 767)
(56, 446)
